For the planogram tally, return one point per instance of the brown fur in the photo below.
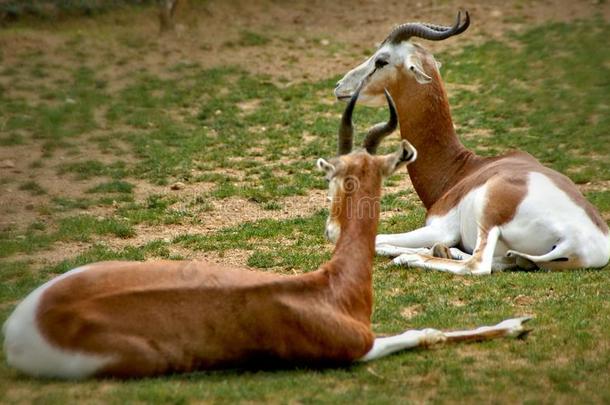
(167, 316)
(445, 170)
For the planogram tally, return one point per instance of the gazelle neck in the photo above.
(352, 261)
(425, 121)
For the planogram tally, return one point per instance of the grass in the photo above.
(228, 135)
(550, 105)
(33, 187)
(249, 38)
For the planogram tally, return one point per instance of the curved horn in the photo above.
(346, 129)
(428, 31)
(379, 131)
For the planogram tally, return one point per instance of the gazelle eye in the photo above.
(379, 63)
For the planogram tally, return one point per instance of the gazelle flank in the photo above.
(494, 212)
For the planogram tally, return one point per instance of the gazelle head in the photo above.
(355, 177)
(398, 61)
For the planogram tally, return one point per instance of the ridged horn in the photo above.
(376, 134)
(428, 31)
(346, 129)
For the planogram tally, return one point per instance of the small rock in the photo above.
(325, 42)
(70, 101)
(7, 164)
(177, 185)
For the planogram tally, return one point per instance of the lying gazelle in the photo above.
(136, 319)
(504, 211)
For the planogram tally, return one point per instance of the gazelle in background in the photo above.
(495, 212)
(137, 319)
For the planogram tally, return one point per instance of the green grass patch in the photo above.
(249, 38)
(601, 199)
(288, 244)
(66, 204)
(156, 210)
(94, 168)
(32, 187)
(551, 105)
(11, 139)
(79, 228)
(115, 186)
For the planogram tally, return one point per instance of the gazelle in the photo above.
(495, 212)
(136, 319)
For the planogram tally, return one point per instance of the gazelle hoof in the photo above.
(407, 259)
(431, 337)
(442, 251)
(514, 327)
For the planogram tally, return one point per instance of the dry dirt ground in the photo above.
(201, 35)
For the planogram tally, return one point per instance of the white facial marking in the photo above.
(396, 56)
(332, 229)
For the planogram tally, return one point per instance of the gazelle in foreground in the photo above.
(495, 212)
(137, 319)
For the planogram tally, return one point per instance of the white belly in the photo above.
(546, 217)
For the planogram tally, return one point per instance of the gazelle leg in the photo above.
(479, 263)
(508, 328)
(561, 252)
(382, 346)
(499, 263)
(410, 339)
(418, 238)
(393, 251)
(437, 250)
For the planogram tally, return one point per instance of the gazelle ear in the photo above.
(327, 168)
(413, 64)
(405, 154)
